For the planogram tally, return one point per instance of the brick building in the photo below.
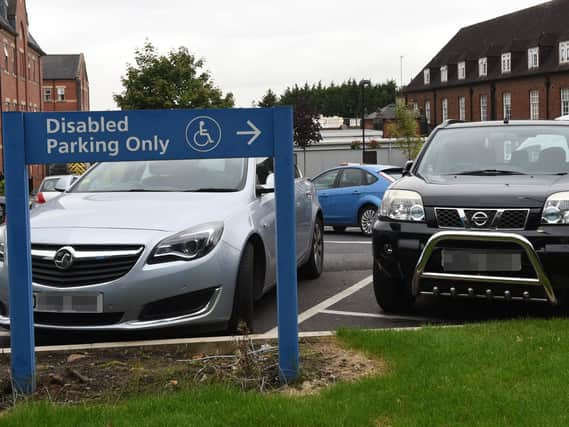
(515, 66)
(20, 67)
(65, 84)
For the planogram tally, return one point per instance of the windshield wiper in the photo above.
(489, 172)
(211, 190)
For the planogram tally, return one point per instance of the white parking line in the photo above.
(373, 315)
(311, 312)
(347, 242)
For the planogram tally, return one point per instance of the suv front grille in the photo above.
(482, 219)
(90, 265)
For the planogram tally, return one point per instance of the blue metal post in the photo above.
(287, 302)
(18, 251)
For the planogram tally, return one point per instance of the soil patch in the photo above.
(108, 375)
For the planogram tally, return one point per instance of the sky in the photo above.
(252, 45)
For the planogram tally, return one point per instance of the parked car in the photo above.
(153, 244)
(350, 194)
(482, 213)
(563, 117)
(47, 190)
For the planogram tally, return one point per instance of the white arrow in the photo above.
(254, 131)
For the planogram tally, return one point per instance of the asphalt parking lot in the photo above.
(343, 297)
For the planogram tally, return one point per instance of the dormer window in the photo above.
(444, 74)
(564, 52)
(461, 70)
(533, 58)
(506, 62)
(483, 67)
(427, 76)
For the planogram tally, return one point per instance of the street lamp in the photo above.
(363, 84)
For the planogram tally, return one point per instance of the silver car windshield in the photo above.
(203, 175)
(499, 150)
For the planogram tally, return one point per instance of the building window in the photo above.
(47, 94)
(533, 58)
(461, 70)
(445, 109)
(427, 76)
(506, 62)
(6, 57)
(428, 111)
(564, 52)
(507, 101)
(565, 101)
(61, 94)
(462, 108)
(444, 73)
(483, 108)
(534, 105)
(483, 67)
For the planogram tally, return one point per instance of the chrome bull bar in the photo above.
(480, 236)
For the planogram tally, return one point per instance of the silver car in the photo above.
(144, 245)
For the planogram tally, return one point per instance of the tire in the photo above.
(366, 219)
(242, 315)
(339, 229)
(393, 296)
(312, 269)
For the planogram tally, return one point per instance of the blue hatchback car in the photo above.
(350, 195)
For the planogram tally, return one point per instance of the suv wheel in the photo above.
(392, 295)
(367, 218)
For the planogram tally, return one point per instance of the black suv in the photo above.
(482, 213)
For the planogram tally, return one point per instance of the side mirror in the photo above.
(64, 183)
(268, 187)
(407, 168)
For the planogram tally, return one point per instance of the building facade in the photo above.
(20, 69)
(512, 67)
(65, 84)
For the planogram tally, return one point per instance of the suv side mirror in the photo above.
(64, 183)
(407, 168)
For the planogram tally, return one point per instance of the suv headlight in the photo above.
(556, 209)
(402, 205)
(189, 244)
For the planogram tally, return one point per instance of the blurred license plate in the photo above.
(461, 260)
(68, 303)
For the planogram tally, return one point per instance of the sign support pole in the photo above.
(18, 242)
(287, 300)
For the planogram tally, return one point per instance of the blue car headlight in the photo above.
(188, 245)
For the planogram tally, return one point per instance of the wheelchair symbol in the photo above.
(203, 134)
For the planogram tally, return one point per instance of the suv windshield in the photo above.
(499, 150)
(215, 175)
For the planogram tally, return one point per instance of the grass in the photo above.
(513, 373)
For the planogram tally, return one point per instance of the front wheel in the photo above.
(242, 315)
(392, 295)
(367, 218)
(312, 269)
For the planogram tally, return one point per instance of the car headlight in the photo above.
(556, 209)
(189, 244)
(402, 205)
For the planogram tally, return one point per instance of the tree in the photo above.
(405, 130)
(173, 81)
(270, 99)
(306, 127)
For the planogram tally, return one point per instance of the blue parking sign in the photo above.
(42, 138)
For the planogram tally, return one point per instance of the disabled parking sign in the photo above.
(42, 138)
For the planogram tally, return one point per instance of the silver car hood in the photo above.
(135, 211)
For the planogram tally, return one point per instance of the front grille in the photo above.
(77, 319)
(482, 219)
(92, 264)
